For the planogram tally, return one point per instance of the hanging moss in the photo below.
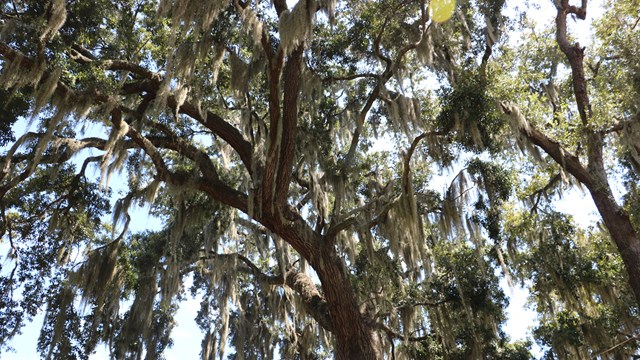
(56, 16)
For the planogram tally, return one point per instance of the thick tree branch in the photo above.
(275, 125)
(575, 55)
(291, 89)
(314, 302)
(552, 147)
(211, 121)
(280, 6)
(227, 132)
(188, 150)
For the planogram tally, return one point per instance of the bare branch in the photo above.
(331, 78)
(407, 159)
(537, 195)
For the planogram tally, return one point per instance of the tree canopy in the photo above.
(295, 153)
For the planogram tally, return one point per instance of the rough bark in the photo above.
(355, 337)
(354, 334)
(615, 218)
(622, 232)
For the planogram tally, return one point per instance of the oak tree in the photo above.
(294, 153)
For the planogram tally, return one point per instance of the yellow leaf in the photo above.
(441, 10)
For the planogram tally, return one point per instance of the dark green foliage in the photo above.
(471, 291)
(497, 185)
(469, 114)
(46, 227)
(574, 285)
(14, 104)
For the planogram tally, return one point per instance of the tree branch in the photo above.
(407, 166)
(289, 123)
(553, 148)
(275, 125)
(151, 84)
(575, 55)
(537, 195)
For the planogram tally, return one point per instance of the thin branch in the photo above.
(396, 335)
(598, 355)
(390, 65)
(536, 196)
(407, 160)
(373, 96)
(188, 150)
(351, 218)
(332, 78)
(84, 56)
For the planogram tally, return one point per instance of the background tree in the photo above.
(601, 120)
(251, 129)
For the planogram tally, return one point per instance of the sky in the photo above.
(187, 335)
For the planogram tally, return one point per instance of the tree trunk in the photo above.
(623, 234)
(355, 337)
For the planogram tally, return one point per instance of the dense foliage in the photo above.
(333, 179)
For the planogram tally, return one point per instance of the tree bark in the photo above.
(355, 336)
(594, 177)
(623, 234)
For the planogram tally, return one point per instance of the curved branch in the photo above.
(373, 96)
(84, 56)
(407, 159)
(382, 80)
(537, 195)
(186, 149)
